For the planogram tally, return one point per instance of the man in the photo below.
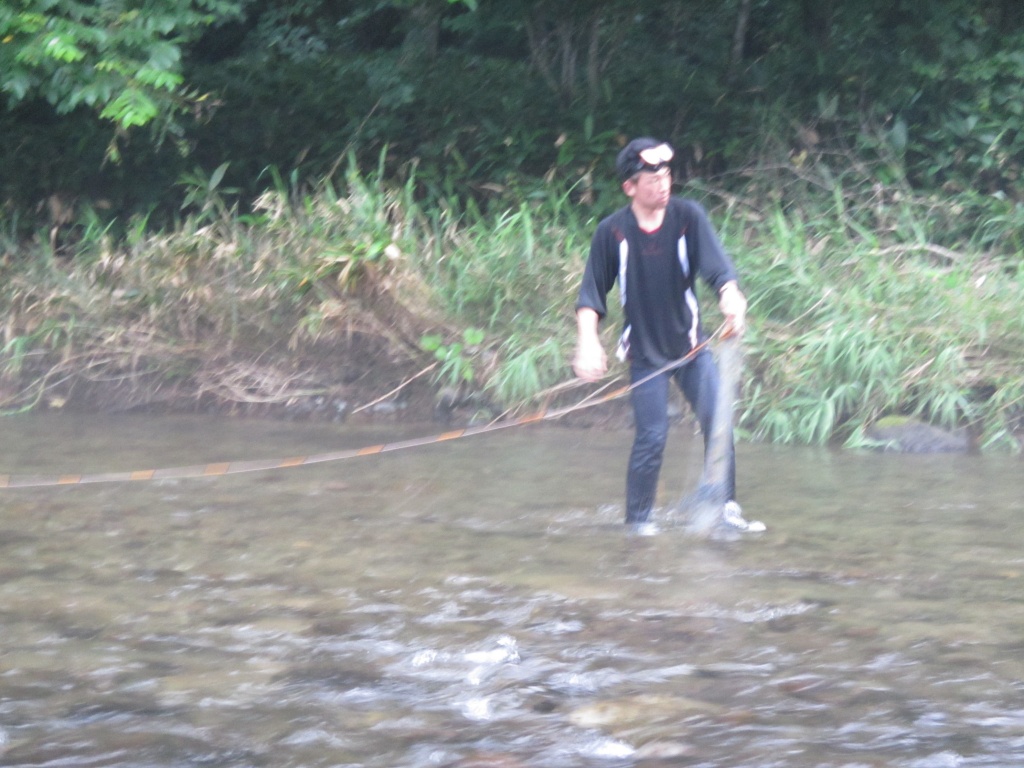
(656, 247)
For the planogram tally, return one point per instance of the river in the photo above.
(477, 604)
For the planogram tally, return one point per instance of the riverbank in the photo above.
(337, 385)
(368, 303)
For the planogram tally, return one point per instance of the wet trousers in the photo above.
(698, 380)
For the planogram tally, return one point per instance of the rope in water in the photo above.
(219, 469)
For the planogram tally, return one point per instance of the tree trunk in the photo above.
(1011, 15)
(594, 64)
(817, 21)
(739, 40)
(568, 55)
(537, 37)
(421, 39)
(567, 51)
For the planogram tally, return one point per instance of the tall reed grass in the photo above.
(856, 313)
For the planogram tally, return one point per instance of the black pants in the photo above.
(698, 380)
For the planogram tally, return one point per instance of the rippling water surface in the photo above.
(477, 604)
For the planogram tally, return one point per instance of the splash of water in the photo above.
(702, 509)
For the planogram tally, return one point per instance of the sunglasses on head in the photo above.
(657, 155)
(654, 158)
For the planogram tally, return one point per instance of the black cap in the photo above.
(629, 162)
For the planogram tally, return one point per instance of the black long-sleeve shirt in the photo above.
(657, 274)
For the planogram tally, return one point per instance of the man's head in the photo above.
(643, 154)
(646, 173)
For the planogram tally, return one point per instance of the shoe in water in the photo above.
(643, 529)
(732, 517)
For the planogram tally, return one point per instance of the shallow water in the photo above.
(477, 603)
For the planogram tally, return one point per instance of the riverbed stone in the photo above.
(906, 435)
(639, 710)
(665, 750)
(490, 760)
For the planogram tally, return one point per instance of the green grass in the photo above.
(857, 314)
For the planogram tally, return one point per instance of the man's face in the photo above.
(650, 189)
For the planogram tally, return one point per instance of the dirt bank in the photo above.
(349, 379)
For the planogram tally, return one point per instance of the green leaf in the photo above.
(898, 135)
(473, 337)
(431, 343)
(218, 175)
(132, 107)
(63, 48)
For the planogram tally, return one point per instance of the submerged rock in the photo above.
(665, 750)
(907, 435)
(639, 710)
(490, 760)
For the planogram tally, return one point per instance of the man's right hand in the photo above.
(590, 362)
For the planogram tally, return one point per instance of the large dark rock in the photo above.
(907, 435)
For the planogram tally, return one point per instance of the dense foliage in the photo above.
(864, 158)
(497, 91)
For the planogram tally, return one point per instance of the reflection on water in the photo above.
(476, 603)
